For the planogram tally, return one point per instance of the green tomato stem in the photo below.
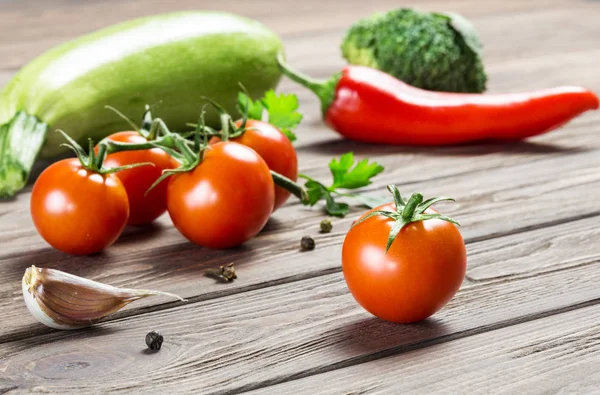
(225, 127)
(167, 141)
(114, 146)
(408, 212)
(102, 149)
(290, 186)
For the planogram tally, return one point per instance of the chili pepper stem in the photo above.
(324, 89)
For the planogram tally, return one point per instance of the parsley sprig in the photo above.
(280, 111)
(348, 174)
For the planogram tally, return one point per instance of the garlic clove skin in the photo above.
(63, 301)
(37, 311)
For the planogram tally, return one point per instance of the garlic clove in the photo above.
(63, 301)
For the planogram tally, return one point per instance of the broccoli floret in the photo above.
(433, 51)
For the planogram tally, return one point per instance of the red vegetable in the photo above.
(368, 105)
(78, 211)
(223, 201)
(404, 261)
(275, 148)
(77, 205)
(144, 207)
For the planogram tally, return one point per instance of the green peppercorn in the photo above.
(326, 226)
(307, 243)
(154, 340)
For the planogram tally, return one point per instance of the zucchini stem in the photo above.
(20, 142)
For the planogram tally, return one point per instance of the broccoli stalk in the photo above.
(433, 51)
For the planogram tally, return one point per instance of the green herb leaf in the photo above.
(334, 208)
(315, 191)
(372, 201)
(255, 108)
(347, 174)
(350, 175)
(282, 110)
(340, 167)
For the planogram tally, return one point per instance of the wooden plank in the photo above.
(556, 75)
(558, 354)
(404, 166)
(500, 23)
(417, 158)
(250, 334)
(73, 18)
(489, 203)
(275, 334)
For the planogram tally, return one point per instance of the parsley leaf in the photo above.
(334, 208)
(347, 174)
(348, 177)
(281, 110)
(255, 108)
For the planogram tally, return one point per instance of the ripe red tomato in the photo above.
(420, 273)
(275, 148)
(224, 201)
(77, 211)
(144, 208)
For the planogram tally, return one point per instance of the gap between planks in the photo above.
(415, 167)
(310, 327)
(153, 308)
(517, 198)
(523, 228)
(472, 365)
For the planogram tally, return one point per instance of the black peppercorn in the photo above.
(154, 340)
(326, 226)
(307, 243)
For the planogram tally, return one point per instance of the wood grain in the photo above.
(57, 21)
(278, 333)
(489, 203)
(528, 214)
(557, 354)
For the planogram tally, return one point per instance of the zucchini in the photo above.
(174, 59)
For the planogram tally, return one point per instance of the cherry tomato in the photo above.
(226, 200)
(77, 211)
(420, 273)
(275, 148)
(144, 208)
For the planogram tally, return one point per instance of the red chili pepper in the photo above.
(368, 105)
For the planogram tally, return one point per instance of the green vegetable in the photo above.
(174, 59)
(347, 174)
(434, 51)
(280, 111)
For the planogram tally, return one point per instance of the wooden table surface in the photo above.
(526, 320)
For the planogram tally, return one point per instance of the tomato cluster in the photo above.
(402, 261)
(222, 201)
